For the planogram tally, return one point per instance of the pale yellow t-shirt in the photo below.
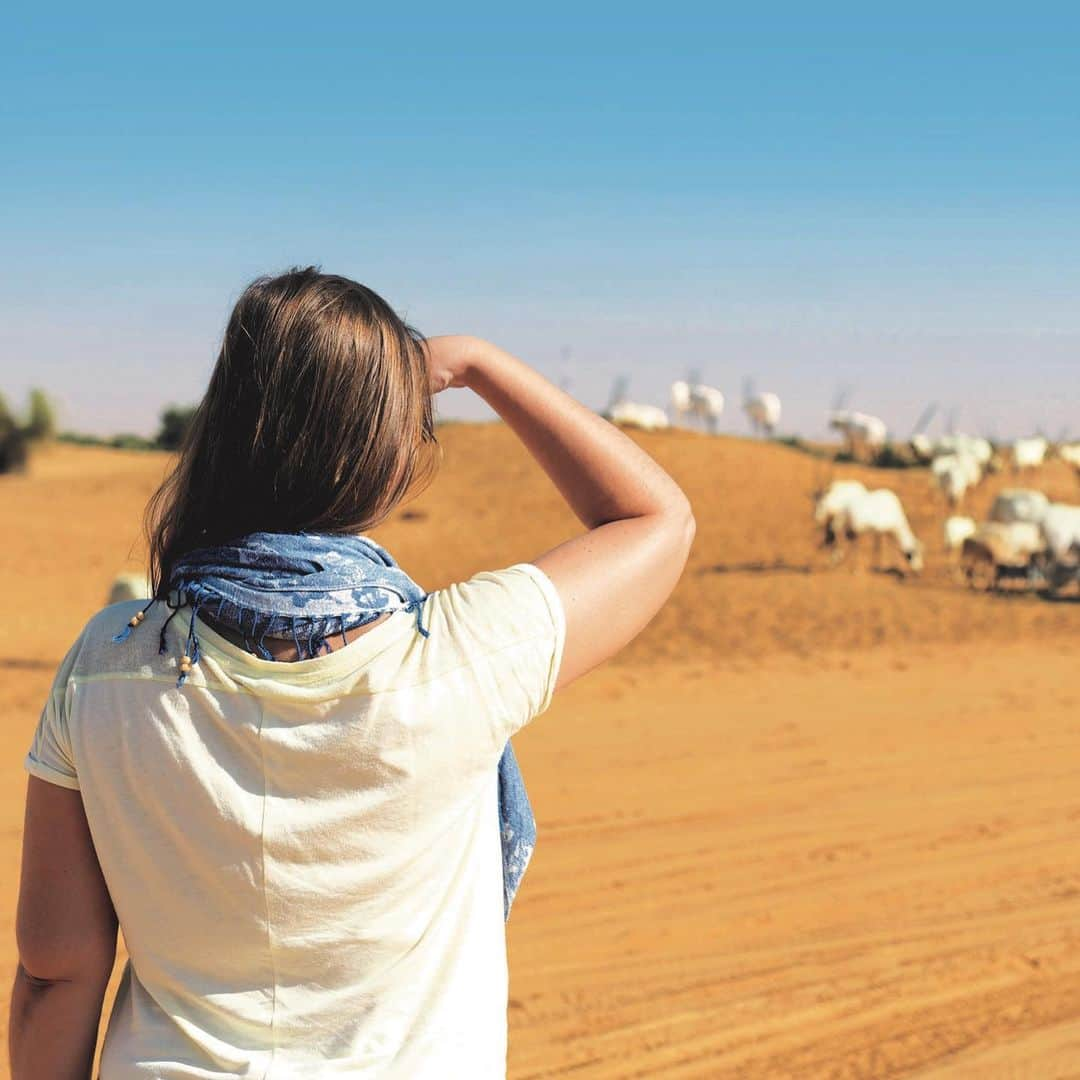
(304, 856)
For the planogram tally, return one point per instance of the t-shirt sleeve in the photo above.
(50, 757)
(512, 626)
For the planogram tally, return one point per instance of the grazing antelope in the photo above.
(879, 514)
(832, 502)
(999, 550)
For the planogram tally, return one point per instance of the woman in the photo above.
(296, 830)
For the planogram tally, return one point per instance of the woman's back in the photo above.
(305, 857)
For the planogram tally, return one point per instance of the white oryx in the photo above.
(879, 514)
(763, 411)
(922, 446)
(1061, 530)
(863, 434)
(1070, 453)
(975, 446)
(1029, 453)
(928, 450)
(636, 415)
(710, 404)
(681, 401)
(696, 401)
(953, 474)
(831, 502)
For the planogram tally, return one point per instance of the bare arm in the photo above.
(66, 935)
(613, 579)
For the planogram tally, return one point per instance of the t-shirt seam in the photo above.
(266, 900)
(131, 676)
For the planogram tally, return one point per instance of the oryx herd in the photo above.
(691, 404)
(1026, 536)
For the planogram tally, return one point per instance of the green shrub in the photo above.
(13, 441)
(78, 438)
(127, 441)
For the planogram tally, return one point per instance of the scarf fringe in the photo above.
(419, 606)
(198, 596)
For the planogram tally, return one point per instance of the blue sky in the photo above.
(811, 196)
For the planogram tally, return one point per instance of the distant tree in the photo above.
(41, 423)
(13, 440)
(174, 423)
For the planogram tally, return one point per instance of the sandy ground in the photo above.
(812, 823)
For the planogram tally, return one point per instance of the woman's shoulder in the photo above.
(499, 608)
(108, 642)
(510, 624)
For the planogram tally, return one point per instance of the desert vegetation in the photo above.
(17, 433)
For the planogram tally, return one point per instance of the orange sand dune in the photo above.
(812, 823)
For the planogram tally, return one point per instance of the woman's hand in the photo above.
(449, 359)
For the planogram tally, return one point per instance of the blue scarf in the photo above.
(312, 587)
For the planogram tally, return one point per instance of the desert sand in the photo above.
(813, 822)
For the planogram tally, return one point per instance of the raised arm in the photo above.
(614, 578)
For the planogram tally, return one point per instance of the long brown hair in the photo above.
(318, 418)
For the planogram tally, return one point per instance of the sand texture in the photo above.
(813, 822)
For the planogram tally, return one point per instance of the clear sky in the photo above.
(812, 196)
